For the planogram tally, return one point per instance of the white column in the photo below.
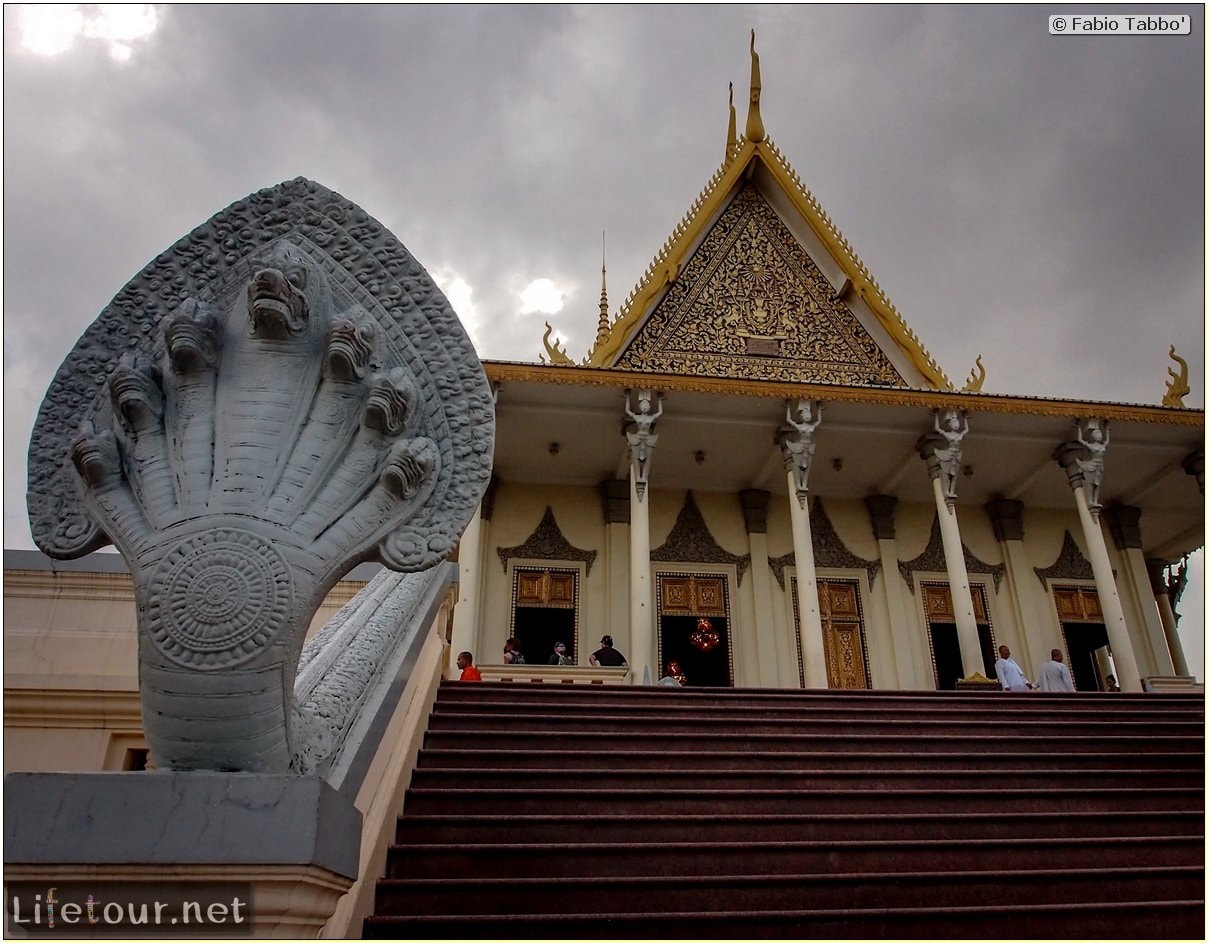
(959, 584)
(466, 613)
(765, 631)
(881, 517)
(1110, 601)
(1155, 569)
(810, 628)
(642, 615)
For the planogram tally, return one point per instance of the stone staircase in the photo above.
(620, 812)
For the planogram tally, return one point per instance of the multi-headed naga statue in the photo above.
(280, 396)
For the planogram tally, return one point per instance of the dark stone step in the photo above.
(464, 827)
(522, 798)
(736, 757)
(533, 860)
(876, 890)
(569, 696)
(1133, 920)
(539, 718)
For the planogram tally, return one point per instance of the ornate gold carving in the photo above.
(545, 588)
(1078, 605)
(1069, 565)
(690, 542)
(1177, 387)
(933, 559)
(546, 543)
(692, 595)
(558, 356)
(978, 374)
(751, 303)
(505, 372)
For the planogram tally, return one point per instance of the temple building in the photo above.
(759, 472)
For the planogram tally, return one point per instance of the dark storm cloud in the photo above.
(1035, 199)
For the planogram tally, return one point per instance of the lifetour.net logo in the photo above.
(126, 909)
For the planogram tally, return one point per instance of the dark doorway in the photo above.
(946, 653)
(1082, 641)
(539, 627)
(700, 668)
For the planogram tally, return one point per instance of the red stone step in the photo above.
(646, 740)
(654, 895)
(543, 717)
(465, 827)
(523, 798)
(634, 759)
(1133, 920)
(534, 860)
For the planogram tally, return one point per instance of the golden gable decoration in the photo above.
(750, 303)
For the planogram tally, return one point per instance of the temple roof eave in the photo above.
(502, 372)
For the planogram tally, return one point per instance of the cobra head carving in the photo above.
(308, 404)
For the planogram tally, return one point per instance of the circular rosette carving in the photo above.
(216, 599)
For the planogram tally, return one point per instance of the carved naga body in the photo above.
(293, 396)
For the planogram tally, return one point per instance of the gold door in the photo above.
(843, 634)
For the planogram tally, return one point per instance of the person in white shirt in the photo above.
(1010, 675)
(1054, 676)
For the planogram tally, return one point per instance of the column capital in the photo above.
(1156, 570)
(881, 515)
(1194, 465)
(488, 505)
(1124, 524)
(1007, 519)
(754, 502)
(615, 501)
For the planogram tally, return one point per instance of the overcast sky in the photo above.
(1035, 199)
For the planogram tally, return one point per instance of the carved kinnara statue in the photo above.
(293, 396)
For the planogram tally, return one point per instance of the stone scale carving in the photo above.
(281, 395)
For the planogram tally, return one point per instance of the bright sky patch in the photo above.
(49, 30)
(541, 295)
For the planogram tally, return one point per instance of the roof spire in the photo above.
(732, 137)
(602, 326)
(755, 126)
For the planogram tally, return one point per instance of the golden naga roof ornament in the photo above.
(732, 135)
(558, 356)
(755, 125)
(602, 325)
(1177, 387)
(977, 375)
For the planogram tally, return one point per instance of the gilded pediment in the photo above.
(751, 303)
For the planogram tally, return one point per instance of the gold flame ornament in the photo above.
(1177, 386)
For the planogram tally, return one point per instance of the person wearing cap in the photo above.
(607, 655)
(559, 656)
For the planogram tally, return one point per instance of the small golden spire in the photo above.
(755, 125)
(978, 374)
(602, 326)
(732, 136)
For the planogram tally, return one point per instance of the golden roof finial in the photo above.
(602, 326)
(755, 125)
(1177, 387)
(732, 135)
(977, 375)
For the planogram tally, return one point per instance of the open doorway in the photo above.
(947, 663)
(694, 628)
(1086, 637)
(545, 612)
